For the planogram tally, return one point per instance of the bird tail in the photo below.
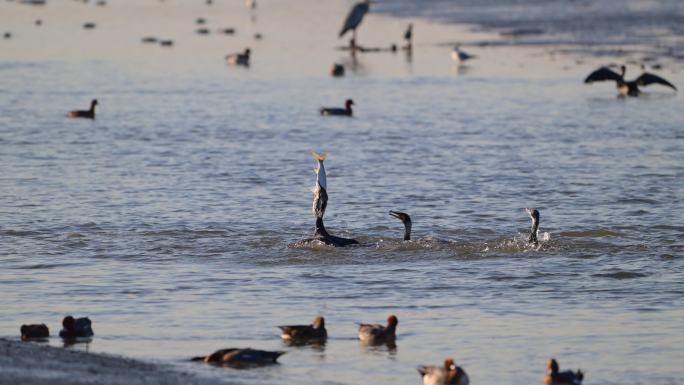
(318, 156)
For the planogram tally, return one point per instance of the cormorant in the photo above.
(626, 88)
(449, 374)
(406, 220)
(534, 215)
(88, 114)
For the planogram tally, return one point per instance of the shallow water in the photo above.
(167, 219)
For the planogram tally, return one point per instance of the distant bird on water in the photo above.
(346, 111)
(555, 377)
(302, 333)
(337, 70)
(626, 88)
(449, 374)
(355, 17)
(379, 334)
(76, 328)
(240, 59)
(88, 114)
(459, 56)
(240, 357)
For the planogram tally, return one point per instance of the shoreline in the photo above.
(30, 363)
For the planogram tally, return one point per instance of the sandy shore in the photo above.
(33, 364)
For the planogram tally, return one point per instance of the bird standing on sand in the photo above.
(449, 374)
(354, 19)
(459, 56)
(626, 88)
(346, 111)
(555, 377)
(239, 59)
(408, 36)
(88, 114)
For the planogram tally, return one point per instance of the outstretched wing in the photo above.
(354, 18)
(601, 74)
(648, 78)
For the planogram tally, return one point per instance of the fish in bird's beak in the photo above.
(320, 201)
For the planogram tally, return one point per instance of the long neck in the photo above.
(407, 231)
(349, 110)
(320, 228)
(92, 107)
(533, 232)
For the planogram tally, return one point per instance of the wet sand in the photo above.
(33, 364)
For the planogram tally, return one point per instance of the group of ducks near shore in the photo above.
(80, 329)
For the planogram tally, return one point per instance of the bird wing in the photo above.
(603, 73)
(648, 78)
(354, 18)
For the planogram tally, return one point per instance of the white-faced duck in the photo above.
(555, 377)
(34, 332)
(76, 328)
(626, 88)
(88, 114)
(240, 59)
(234, 357)
(448, 374)
(379, 334)
(335, 111)
(336, 70)
(406, 220)
(303, 333)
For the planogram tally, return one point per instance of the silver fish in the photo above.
(320, 201)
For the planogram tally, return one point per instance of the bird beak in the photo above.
(394, 214)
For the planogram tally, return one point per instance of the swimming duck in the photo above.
(555, 377)
(89, 25)
(406, 220)
(337, 70)
(534, 215)
(76, 328)
(240, 59)
(34, 331)
(240, 357)
(315, 331)
(377, 334)
(626, 88)
(88, 114)
(459, 56)
(166, 43)
(346, 111)
(449, 374)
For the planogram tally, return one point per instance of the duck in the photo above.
(459, 56)
(34, 331)
(337, 70)
(76, 328)
(335, 111)
(406, 220)
(301, 333)
(240, 59)
(555, 377)
(378, 334)
(449, 374)
(240, 357)
(88, 114)
(626, 88)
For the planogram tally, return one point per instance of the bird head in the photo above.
(392, 320)
(319, 322)
(405, 218)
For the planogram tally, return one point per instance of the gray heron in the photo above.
(355, 17)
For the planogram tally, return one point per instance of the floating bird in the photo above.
(449, 374)
(240, 59)
(34, 331)
(459, 56)
(534, 215)
(302, 333)
(240, 357)
(555, 377)
(200, 20)
(227, 31)
(337, 70)
(166, 43)
(378, 334)
(76, 328)
(7, 35)
(627, 88)
(355, 17)
(89, 25)
(202, 31)
(88, 114)
(406, 220)
(346, 111)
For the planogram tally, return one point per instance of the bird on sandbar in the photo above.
(627, 87)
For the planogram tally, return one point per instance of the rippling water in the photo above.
(167, 219)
